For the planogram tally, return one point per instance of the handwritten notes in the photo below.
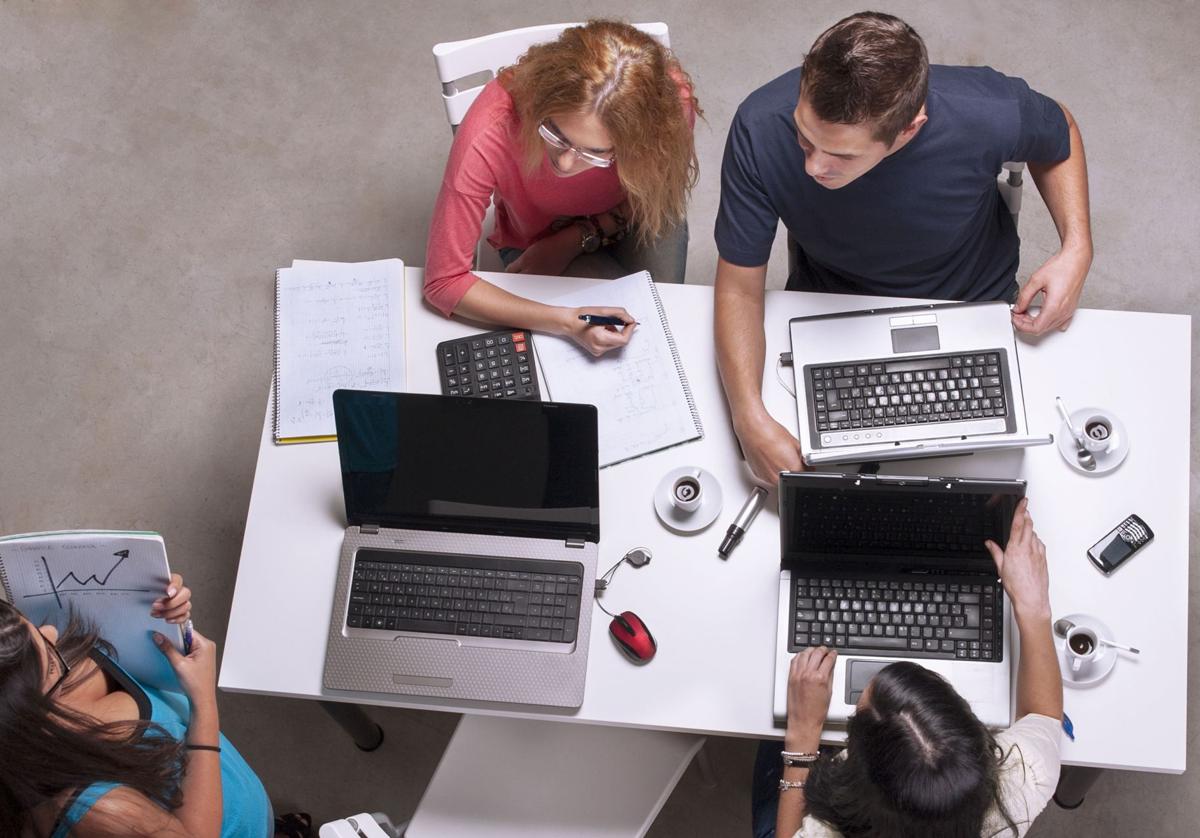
(640, 391)
(338, 325)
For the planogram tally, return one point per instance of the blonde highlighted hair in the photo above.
(636, 88)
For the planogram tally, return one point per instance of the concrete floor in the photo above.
(161, 159)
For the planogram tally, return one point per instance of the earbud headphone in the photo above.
(638, 557)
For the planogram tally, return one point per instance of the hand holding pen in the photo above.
(600, 329)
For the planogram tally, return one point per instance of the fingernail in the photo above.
(159, 639)
(171, 591)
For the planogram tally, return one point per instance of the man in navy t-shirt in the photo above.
(883, 169)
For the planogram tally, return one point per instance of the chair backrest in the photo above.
(462, 60)
(1009, 182)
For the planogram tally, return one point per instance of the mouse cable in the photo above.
(602, 583)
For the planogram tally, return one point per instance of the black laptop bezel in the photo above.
(815, 564)
(511, 527)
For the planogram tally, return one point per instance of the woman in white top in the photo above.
(918, 763)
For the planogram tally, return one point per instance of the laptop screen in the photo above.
(845, 522)
(513, 468)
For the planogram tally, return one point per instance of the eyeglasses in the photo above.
(555, 141)
(63, 668)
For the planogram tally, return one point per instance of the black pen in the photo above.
(601, 320)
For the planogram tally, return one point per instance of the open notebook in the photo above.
(640, 391)
(337, 325)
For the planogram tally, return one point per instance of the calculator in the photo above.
(492, 365)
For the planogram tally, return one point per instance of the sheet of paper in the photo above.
(340, 325)
(640, 390)
(108, 578)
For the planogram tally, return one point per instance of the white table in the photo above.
(715, 620)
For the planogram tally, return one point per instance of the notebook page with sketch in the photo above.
(337, 325)
(640, 391)
(108, 577)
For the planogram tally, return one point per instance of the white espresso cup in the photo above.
(1082, 647)
(1097, 432)
(686, 492)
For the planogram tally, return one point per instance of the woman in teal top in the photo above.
(88, 751)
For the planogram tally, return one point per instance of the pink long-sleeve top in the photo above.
(486, 160)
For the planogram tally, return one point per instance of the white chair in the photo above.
(362, 825)
(1009, 182)
(466, 61)
(474, 62)
(518, 778)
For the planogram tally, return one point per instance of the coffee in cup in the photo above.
(1097, 433)
(686, 493)
(1082, 645)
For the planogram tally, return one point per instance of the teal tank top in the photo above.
(246, 809)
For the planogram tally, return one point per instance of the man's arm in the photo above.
(741, 349)
(1064, 188)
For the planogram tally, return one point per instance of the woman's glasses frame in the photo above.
(552, 139)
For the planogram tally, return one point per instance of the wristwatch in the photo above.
(592, 235)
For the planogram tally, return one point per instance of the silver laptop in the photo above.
(916, 381)
(885, 568)
(469, 561)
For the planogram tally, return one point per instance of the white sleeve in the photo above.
(1029, 770)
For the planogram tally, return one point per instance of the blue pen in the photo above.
(601, 320)
(1068, 727)
(187, 637)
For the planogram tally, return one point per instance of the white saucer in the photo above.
(676, 519)
(1106, 656)
(1106, 460)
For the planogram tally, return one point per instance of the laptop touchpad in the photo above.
(916, 339)
(858, 674)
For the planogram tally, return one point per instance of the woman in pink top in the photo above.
(585, 145)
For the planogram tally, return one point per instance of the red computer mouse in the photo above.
(632, 637)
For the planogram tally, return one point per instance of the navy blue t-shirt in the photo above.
(927, 221)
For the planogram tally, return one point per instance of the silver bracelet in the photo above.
(784, 785)
(794, 758)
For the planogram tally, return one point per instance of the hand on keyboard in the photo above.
(810, 686)
(1022, 567)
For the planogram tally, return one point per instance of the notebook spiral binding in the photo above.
(275, 374)
(683, 379)
(4, 584)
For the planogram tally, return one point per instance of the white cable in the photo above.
(784, 384)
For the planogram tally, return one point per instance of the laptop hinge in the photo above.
(368, 529)
(577, 543)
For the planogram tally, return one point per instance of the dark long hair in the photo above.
(50, 750)
(918, 764)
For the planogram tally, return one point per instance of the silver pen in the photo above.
(742, 522)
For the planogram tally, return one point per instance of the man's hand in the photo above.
(810, 686)
(1061, 280)
(1022, 567)
(549, 256)
(769, 448)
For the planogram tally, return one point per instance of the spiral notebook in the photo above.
(108, 577)
(640, 391)
(337, 325)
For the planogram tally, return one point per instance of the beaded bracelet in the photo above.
(784, 785)
(794, 758)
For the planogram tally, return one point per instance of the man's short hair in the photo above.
(869, 67)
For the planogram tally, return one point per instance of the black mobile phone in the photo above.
(1120, 544)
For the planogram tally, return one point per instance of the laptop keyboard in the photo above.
(517, 599)
(927, 619)
(886, 393)
(492, 365)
